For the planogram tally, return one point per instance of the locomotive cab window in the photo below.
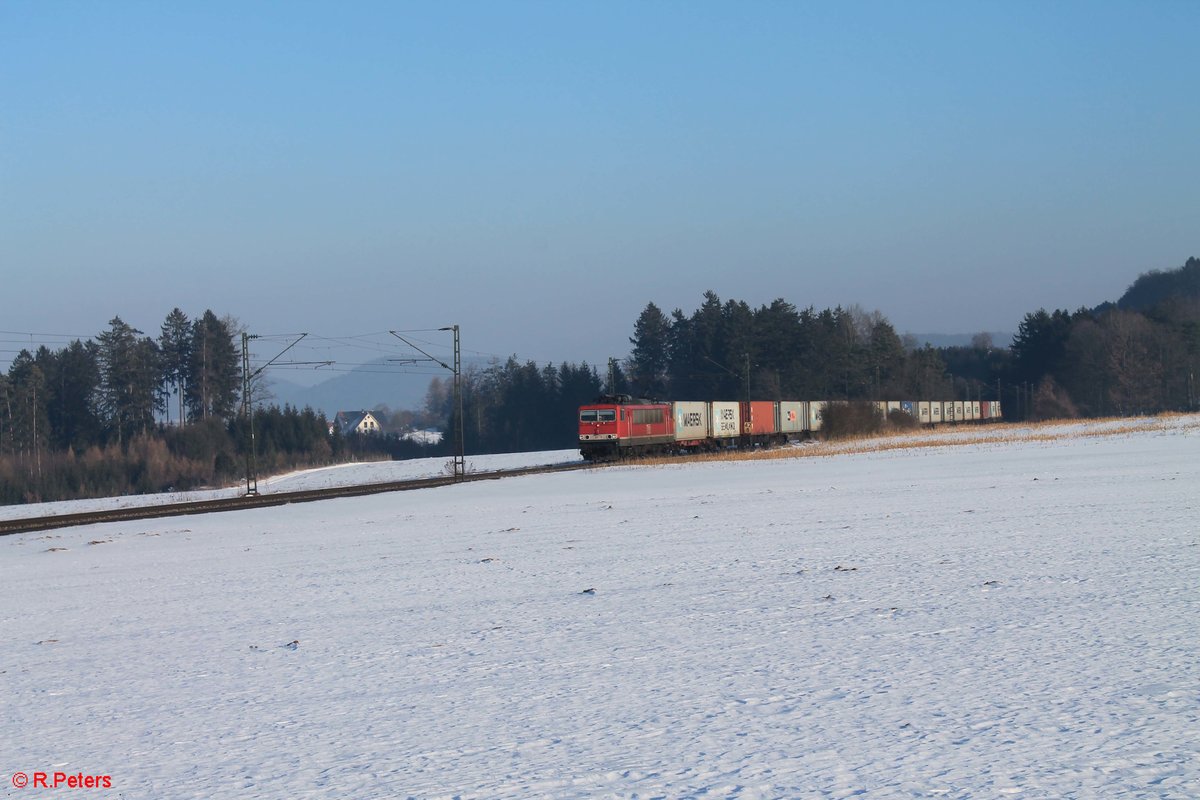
(588, 415)
(608, 415)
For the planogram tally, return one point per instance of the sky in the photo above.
(537, 172)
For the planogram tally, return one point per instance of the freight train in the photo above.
(618, 426)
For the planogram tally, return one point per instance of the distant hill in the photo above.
(999, 339)
(1152, 288)
(374, 384)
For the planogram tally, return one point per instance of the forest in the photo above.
(128, 413)
(1140, 355)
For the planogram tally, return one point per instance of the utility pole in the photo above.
(460, 462)
(248, 406)
(747, 378)
(248, 412)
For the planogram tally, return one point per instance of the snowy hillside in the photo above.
(995, 619)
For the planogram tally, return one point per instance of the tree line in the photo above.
(775, 351)
(1140, 355)
(113, 388)
(126, 412)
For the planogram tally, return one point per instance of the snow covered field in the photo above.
(1004, 619)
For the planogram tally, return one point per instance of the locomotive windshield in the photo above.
(597, 415)
(587, 415)
(608, 415)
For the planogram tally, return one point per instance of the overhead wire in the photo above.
(316, 348)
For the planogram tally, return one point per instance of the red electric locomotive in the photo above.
(618, 425)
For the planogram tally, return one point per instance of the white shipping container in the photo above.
(793, 416)
(691, 420)
(935, 411)
(726, 420)
(923, 412)
(959, 414)
(816, 414)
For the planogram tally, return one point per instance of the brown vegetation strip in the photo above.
(996, 433)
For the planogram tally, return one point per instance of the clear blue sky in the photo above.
(537, 172)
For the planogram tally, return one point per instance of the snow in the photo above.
(350, 474)
(1005, 618)
(426, 437)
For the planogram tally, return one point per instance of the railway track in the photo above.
(28, 524)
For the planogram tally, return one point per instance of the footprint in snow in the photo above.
(292, 645)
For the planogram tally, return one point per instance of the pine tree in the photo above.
(886, 359)
(175, 343)
(777, 350)
(28, 422)
(214, 370)
(1040, 344)
(128, 393)
(651, 352)
(72, 384)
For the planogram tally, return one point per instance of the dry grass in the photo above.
(957, 436)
